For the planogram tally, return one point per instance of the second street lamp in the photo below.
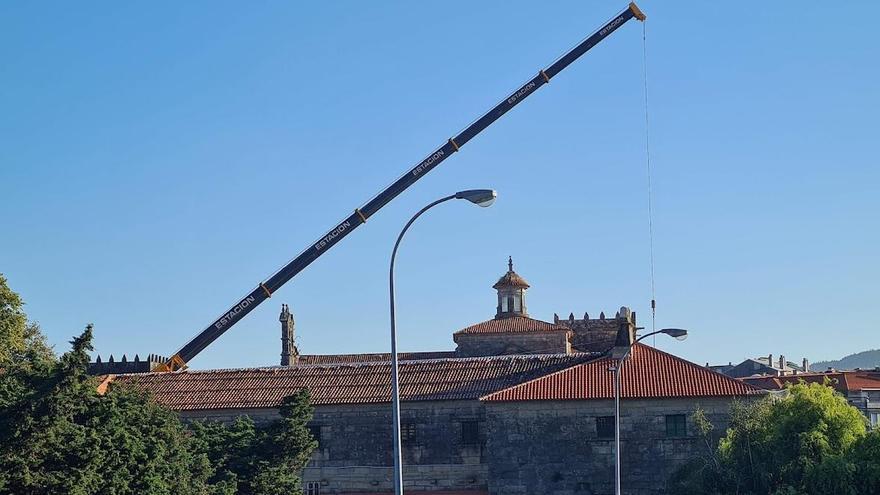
(677, 334)
(479, 197)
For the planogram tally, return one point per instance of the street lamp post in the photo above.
(678, 334)
(479, 197)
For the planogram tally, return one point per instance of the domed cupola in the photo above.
(511, 294)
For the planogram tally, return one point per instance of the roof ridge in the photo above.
(474, 329)
(547, 387)
(363, 364)
(692, 364)
(377, 353)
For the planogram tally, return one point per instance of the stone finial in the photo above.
(285, 313)
(289, 351)
(602, 315)
(111, 359)
(98, 360)
(510, 263)
(555, 318)
(586, 316)
(571, 317)
(137, 358)
(124, 359)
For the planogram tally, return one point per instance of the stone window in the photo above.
(315, 431)
(408, 432)
(312, 488)
(676, 425)
(605, 426)
(470, 432)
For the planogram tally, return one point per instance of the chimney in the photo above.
(781, 362)
(770, 360)
(289, 352)
(806, 366)
(626, 333)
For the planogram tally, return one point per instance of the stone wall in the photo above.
(498, 344)
(354, 452)
(552, 447)
(591, 334)
(523, 448)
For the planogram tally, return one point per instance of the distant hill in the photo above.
(864, 360)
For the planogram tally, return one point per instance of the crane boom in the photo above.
(360, 215)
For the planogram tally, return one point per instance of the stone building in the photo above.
(762, 366)
(521, 406)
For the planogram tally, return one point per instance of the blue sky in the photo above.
(158, 160)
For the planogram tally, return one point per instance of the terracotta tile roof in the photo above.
(516, 324)
(648, 373)
(842, 381)
(371, 357)
(511, 279)
(862, 380)
(361, 383)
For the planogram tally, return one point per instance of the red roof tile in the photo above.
(511, 279)
(648, 373)
(862, 380)
(842, 381)
(516, 324)
(371, 357)
(436, 379)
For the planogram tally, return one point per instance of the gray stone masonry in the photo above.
(354, 452)
(552, 447)
(498, 344)
(590, 334)
(535, 447)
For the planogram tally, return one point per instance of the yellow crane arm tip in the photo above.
(637, 12)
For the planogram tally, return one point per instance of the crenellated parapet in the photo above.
(591, 334)
(136, 365)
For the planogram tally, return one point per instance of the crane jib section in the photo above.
(265, 289)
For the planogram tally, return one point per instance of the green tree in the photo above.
(254, 460)
(811, 441)
(59, 435)
(66, 438)
(865, 455)
(24, 355)
(21, 342)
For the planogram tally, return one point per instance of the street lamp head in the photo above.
(479, 197)
(676, 333)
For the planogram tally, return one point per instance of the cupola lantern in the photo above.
(511, 294)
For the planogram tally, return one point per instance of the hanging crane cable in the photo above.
(648, 172)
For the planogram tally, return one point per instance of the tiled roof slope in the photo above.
(842, 381)
(648, 373)
(371, 357)
(516, 324)
(362, 383)
(511, 279)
